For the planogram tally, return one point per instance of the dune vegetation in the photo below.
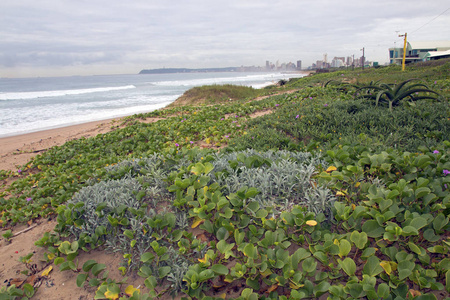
(331, 186)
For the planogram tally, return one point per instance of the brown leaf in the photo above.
(17, 281)
(272, 288)
(414, 293)
(31, 279)
(202, 237)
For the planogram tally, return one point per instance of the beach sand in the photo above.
(16, 151)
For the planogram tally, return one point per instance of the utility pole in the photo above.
(404, 51)
(362, 60)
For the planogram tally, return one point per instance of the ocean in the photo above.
(35, 104)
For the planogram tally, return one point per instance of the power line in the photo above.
(431, 20)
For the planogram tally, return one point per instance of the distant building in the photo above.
(420, 51)
(349, 60)
(299, 64)
(338, 62)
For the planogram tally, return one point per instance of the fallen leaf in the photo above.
(197, 222)
(130, 290)
(31, 279)
(111, 295)
(46, 271)
(311, 223)
(202, 237)
(272, 288)
(331, 169)
(204, 259)
(17, 281)
(414, 293)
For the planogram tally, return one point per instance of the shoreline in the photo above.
(17, 150)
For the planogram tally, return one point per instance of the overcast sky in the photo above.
(84, 37)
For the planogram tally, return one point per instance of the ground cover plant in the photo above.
(326, 197)
(215, 94)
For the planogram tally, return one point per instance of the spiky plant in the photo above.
(393, 94)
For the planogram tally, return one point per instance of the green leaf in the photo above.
(97, 269)
(418, 222)
(421, 192)
(227, 213)
(81, 278)
(262, 213)
(205, 275)
(251, 192)
(405, 268)
(372, 266)
(147, 256)
(87, 266)
(151, 282)
(368, 252)
(410, 230)
(222, 233)
(145, 271)
(321, 288)
(439, 222)
(94, 282)
(383, 291)
(309, 265)
(164, 271)
(344, 247)
(445, 264)
(253, 283)
(59, 260)
(239, 236)
(360, 239)
(253, 206)
(372, 229)
(349, 266)
(355, 289)
(414, 248)
(250, 251)
(220, 269)
(208, 167)
(29, 290)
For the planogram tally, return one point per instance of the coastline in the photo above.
(17, 150)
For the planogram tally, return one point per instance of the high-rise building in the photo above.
(299, 64)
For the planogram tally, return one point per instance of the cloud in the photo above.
(102, 35)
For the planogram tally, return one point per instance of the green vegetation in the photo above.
(215, 94)
(394, 94)
(328, 196)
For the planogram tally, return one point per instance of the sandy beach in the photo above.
(16, 151)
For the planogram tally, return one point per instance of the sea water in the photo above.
(34, 104)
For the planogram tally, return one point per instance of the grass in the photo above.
(206, 222)
(216, 94)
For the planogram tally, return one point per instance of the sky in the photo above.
(41, 38)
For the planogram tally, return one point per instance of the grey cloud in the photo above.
(191, 33)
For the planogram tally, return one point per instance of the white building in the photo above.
(419, 51)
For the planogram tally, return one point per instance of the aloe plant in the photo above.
(392, 94)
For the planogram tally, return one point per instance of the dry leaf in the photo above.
(272, 288)
(311, 223)
(46, 271)
(331, 169)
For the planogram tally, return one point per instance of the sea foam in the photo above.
(59, 93)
